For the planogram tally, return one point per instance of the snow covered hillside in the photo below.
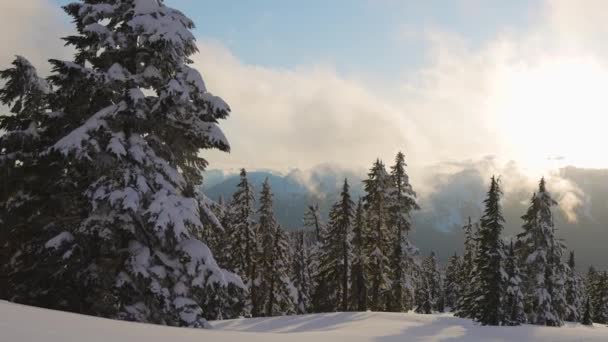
(20, 323)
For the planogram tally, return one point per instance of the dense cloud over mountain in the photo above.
(449, 200)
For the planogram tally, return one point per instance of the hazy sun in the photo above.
(553, 113)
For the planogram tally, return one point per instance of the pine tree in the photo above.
(513, 296)
(127, 166)
(586, 320)
(335, 254)
(600, 306)
(273, 283)
(358, 275)
(452, 289)
(28, 268)
(423, 297)
(488, 261)
(464, 303)
(592, 288)
(541, 252)
(434, 282)
(376, 205)
(402, 202)
(312, 220)
(282, 296)
(301, 273)
(574, 292)
(241, 241)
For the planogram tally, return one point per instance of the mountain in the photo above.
(456, 196)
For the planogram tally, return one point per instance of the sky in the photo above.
(450, 83)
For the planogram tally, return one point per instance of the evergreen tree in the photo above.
(423, 297)
(488, 270)
(402, 203)
(312, 220)
(27, 212)
(273, 283)
(541, 253)
(574, 292)
(378, 239)
(301, 273)
(358, 276)
(464, 303)
(334, 262)
(282, 292)
(513, 297)
(592, 288)
(586, 320)
(242, 242)
(125, 165)
(434, 282)
(600, 306)
(452, 289)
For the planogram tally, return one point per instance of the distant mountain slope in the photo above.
(437, 226)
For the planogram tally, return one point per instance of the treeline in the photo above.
(361, 259)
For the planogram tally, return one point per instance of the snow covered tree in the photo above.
(513, 300)
(592, 288)
(402, 202)
(452, 289)
(312, 220)
(464, 303)
(241, 242)
(28, 183)
(378, 240)
(541, 253)
(274, 286)
(301, 273)
(586, 318)
(488, 270)
(600, 306)
(434, 282)
(129, 164)
(574, 292)
(357, 273)
(422, 293)
(335, 257)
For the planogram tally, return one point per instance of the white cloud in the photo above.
(32, 28)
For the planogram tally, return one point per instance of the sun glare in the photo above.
(554, 113)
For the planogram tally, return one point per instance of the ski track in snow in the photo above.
(19, 323)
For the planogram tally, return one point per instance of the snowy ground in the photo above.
(22, 323)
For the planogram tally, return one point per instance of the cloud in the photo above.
(32, 28)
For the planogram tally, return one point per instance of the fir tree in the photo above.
(378, 240)
(488, 271)
(336, 253)
(541, 253)
(464, 303)
(574, 292)
(273, 283)
(434, 282)
(312, 220)
(126, 168)
(513, 295)
(358, 276)
(301, 274)
(452, 289)
(592, 288)
(586, 320)
(600, 306)
(242, 241)
(423, 297)
(402, 203)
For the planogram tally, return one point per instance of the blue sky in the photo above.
(356, 36)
